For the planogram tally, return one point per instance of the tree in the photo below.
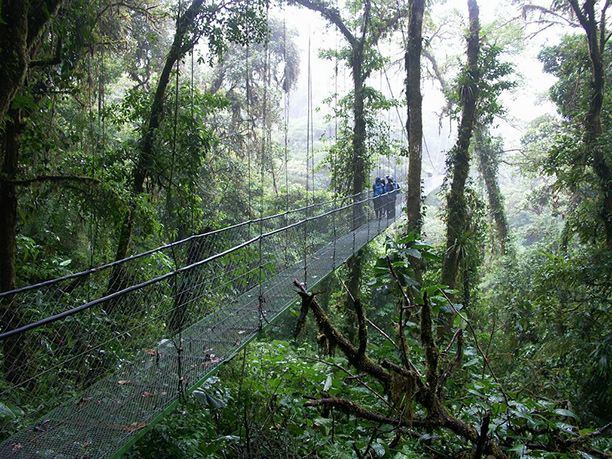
(25, 30)
(593, 140)
(595, 30)
(558, 150)
(243, 76)
(361, 54)
(488, 150)
(459, 158)
(21, 27)
(414, 120)
(238, 21)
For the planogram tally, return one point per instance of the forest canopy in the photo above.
(305, 228)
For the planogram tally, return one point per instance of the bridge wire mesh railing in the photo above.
(95, 356)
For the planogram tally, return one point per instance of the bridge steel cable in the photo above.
(264, 139)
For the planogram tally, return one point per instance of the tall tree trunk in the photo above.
(368, 36)
(9, 312)
(459, 166)
(487, 166)
(359, 127)
(414, 120)
(21, 25)
(596, 38)
(359, 138)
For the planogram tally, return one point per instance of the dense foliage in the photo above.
(487, 333)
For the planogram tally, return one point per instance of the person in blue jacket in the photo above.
(379, 190)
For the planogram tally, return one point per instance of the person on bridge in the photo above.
(379, 190)
(390, 189)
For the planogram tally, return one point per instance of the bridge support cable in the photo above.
(250, 130)
(264, 144)
(308, 154)
(286, 106)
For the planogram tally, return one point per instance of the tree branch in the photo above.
(361, 361)
(390, 23)
(362, 328)
(546, 11)
(331, 14)
(482, 438)
(299, 326)
(403, 346)
(579, 14)
(366, 22)
(455, 363)
(39, 17)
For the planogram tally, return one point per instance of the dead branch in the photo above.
(403, 346)
(301, 322)
(361, 362)
(382, 332)
(362, 329)
(353, 377)
(455, 363)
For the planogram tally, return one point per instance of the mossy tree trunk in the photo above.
(487, 156)
(459, 160)
(597, 38)
(414, 120)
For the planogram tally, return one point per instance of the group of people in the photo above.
(384, 200)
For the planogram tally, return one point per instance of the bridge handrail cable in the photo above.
(119, 293)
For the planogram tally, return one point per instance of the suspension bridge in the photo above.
(93, 359)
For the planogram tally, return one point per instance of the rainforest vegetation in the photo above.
(478, 324)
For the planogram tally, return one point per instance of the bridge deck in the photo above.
(112, 412)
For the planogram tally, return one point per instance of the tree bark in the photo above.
(359, 173)
(596, 38)
(359, 127)
(414, 120)
(459, 167)
(21, 25)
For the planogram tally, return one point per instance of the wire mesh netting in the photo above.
(92, 358)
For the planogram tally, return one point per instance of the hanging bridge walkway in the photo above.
(94, 358)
